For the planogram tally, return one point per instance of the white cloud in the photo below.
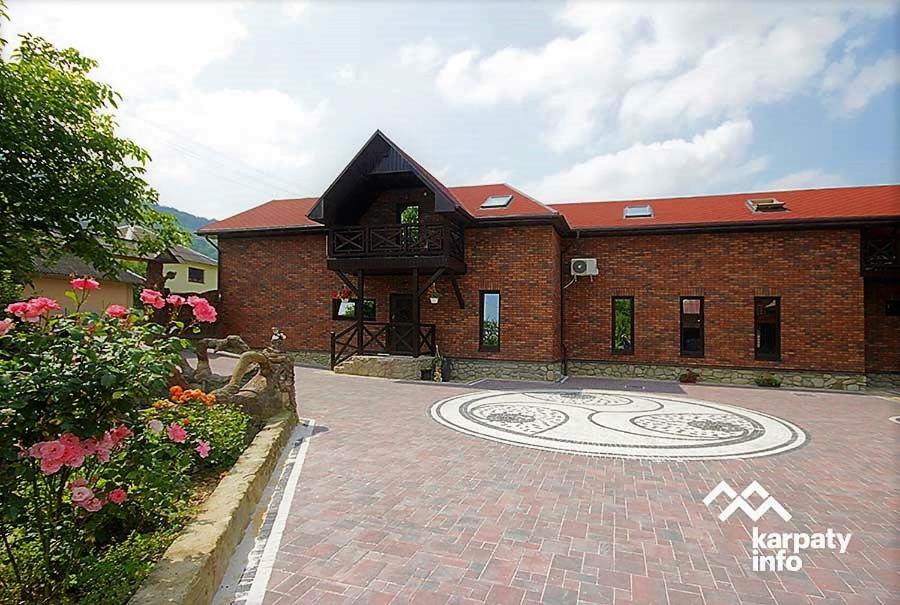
(662, 68)
(672, 167)
(142, 50)
(806, 179)
(495, 175)
(345, 75)
(422, 56)
(871, 81)
(294, 9)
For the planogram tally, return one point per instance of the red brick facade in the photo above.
(282, 280)
(816, 274)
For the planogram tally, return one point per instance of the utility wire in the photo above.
(269, 179)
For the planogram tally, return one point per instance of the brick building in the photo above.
(803, 284)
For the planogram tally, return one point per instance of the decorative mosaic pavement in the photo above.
(625, 425)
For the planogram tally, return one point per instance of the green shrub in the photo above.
(768, 380)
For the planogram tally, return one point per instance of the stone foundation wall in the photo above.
(467, 370)
(401, 368)
(885, 381)
(790, 378)
(318, 359)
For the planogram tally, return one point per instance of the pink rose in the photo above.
(155, 426)
(117, 311)
(175, 300)
(176, 433)
(77, 483)
(81, 494)
(203, 310)
(32, 310)
(202, 449)
(93, 505)
(120, 432)
(84, 283)
(152, 298)
(5, 326)
(118, 496)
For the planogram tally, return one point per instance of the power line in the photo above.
(248, 170)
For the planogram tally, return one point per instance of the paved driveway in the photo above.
(395, 507)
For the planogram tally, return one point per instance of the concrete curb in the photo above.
(191, 569)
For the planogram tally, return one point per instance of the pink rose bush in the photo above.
(93, 454)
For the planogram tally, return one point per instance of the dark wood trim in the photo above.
(359, 316)
(415, 312)
(681, 350)
(265, 231)
(434, 277)
(612, 326)
(353, 290)
(457, 291)
(776, 356)
(481, 346)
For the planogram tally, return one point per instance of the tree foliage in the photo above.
(67, 182)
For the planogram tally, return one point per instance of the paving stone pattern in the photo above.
(393, 507)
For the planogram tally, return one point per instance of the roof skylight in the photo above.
(638, 212)
(497, 201)
(766, 204)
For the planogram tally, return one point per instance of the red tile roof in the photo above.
(806, 205)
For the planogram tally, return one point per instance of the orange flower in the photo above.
(176, 391)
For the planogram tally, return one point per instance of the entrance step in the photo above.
(387, 366)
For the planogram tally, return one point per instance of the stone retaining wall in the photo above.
(886, 381)
(318, 359)
(790, 378)
(402, 368)
(467, 370)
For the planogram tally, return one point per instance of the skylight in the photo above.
(638, 212)
(497, 201)
(766, 204)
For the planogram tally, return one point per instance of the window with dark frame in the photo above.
(622, 325)
(767, 327)
(691, 311)
(489, 321)
(347, 310)
(196, 276)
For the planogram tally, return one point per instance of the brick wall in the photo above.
(815, 272)
(283, 281)
(882, 331)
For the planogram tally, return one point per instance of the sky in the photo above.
(239, 103)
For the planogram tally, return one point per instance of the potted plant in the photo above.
(344, 294)
(433, 295)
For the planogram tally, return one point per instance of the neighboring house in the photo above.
(803, 283)
(53, 281)
(194, 272)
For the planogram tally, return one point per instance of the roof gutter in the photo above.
(746, 226)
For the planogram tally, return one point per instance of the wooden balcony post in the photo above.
(415, 311)
(359, 312)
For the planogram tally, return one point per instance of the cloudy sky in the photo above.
(241, 103)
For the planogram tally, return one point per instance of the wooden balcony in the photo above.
(880, 255)
(399, 246)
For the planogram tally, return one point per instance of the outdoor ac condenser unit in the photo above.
(583, 266)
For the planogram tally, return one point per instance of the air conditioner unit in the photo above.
(583, 266)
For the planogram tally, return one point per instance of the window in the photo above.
(195, 275)
(691, 326)
(497, 201)
(623, 325)
(637, 212)
(766, 204)
(408, 214)
(767, 321)
(892, 309)
(489, 322)
(347, 310)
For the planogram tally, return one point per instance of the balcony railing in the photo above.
(881, 254)
(382, 338)
(410, 240)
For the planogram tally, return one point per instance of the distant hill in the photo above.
(191, 223)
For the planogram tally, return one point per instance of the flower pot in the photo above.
(434, 300)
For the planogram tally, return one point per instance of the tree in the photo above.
(67, 182)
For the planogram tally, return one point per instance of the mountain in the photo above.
(191, 223)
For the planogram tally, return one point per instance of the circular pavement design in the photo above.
(617, 424)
